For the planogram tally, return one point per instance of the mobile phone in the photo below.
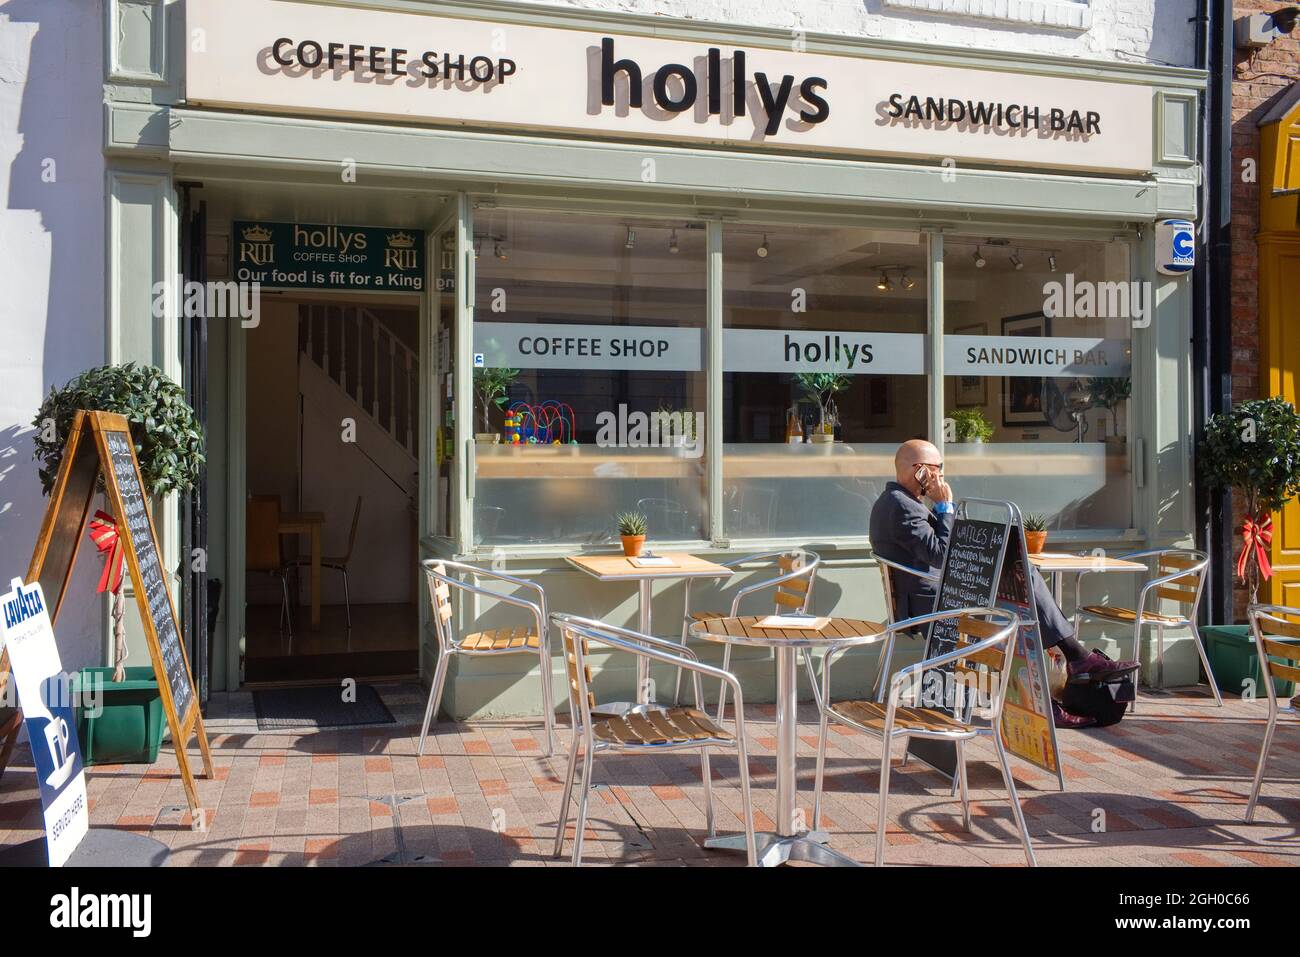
(922, 476)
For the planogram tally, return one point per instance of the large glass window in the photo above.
(1037, 361)
(589, 371)
(824, 361)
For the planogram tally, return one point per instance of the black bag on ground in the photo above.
(1106, 701)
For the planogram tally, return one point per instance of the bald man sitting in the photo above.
(904, 530)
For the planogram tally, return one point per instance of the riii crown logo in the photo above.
(401, 240)
(257, 234)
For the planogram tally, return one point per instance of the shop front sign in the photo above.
(314, 256)
(310, 59)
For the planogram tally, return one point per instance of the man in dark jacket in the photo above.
(904, 530)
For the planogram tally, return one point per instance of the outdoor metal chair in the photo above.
(1180, 578)
(887, 570)
(489, 642)
(981, 663)
(792, 585)
(651, 731)
(1274, 629)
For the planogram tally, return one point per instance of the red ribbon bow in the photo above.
(1256, 533)
(103, 532)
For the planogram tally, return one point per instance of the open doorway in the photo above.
(332, 438)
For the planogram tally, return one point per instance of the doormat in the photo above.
(324, 706)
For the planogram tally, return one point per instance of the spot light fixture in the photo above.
(978, 256)
(1016, 262)
(762, 250)
(631, 239)
(672, 242)
(1051, 261)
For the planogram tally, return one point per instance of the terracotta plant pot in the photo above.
(632, 545)
(1034, 541)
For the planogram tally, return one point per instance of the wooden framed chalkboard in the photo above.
(100, 443)
(986, 566)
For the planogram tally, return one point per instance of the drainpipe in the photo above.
(1212, 290)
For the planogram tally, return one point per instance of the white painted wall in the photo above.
(1139, 31)
(51, 262)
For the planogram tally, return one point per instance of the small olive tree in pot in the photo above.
(168, 439)
(1254, 450)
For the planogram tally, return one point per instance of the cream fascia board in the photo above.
(707, 31)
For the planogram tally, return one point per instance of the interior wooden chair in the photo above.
(653, 731)
(1277, 635)
(262, 548)
(1180, 578)
(339, 563)
(796, 572)
(981, 662)
(529, 639)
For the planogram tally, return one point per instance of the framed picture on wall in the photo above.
(971, 389)
(1023, 398)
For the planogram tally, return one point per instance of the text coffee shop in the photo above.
(523, 270)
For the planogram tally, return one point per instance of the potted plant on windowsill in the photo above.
(632, 529)
(1110, 394)
(1035, 533)
(971, 427)
(492, 386)
(128, 725)
(821, 388)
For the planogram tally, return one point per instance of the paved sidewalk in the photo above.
(1167, 786)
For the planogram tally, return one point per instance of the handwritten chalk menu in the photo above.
(970, 572)
(99, 443)
(134, 520)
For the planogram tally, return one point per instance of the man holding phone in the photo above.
(904, 530)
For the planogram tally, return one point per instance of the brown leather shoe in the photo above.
(1097, 667)
(1063, 719)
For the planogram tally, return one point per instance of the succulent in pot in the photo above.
(632, 528)
(1035, 532)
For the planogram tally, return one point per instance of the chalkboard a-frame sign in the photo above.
(101, 441)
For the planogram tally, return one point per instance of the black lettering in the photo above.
(895, 105)
(807, 94)
(689, 87)
(609, 67)
(302, 51)
(275, 51)
(774, 105)
(714, 92)
(738, 82)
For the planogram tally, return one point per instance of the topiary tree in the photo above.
(1254, 449)
(167, 437)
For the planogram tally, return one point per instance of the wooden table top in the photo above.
(745, 631)
(620, 568)
(1062, 562)
(299, 519)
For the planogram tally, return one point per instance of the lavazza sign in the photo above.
(279, 56)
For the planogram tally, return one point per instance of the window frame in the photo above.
(714, 222)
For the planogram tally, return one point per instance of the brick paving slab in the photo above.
(1166, 788)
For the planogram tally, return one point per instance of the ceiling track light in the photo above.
(672, 242)
(631, 239)
(1051, 262)
(499, 250)
(883, 283)
(908, 281)
(978, 256)
(1016, 261)
(762, 250)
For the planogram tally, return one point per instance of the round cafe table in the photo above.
(787, 843)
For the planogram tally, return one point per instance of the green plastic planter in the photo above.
(1235, 658)
(129, 726)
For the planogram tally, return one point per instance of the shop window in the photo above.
(824, 360)
(1037, 345)
(603, 320)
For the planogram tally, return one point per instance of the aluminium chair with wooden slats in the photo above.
(528, 639)
(652, 731)
(792, 592)
(1180, 578)
(887, 571)
(981, 660)
(1275, 629)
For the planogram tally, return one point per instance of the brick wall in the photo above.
(1252, 95)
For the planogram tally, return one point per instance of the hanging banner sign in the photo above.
(312, 256)
(1029, 355)
(310, 58)
(46, 700)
